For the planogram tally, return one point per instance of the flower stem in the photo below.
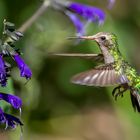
(35, 16)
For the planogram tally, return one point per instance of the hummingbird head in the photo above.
(108, 45)
(103, 39)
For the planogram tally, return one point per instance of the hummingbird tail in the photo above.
(135, 99)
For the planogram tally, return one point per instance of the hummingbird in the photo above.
(115, 70)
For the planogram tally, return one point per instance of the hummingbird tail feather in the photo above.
(135, 99)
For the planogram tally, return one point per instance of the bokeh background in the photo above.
(54, 108)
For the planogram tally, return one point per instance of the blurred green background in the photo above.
(55, 109)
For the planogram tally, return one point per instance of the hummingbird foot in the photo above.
(118, 92)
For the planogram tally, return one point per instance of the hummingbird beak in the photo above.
(87, 37)
(84, 37)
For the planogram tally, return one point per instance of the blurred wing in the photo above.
(100, 76)
(95, 57)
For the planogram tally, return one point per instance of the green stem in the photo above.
(35, 16)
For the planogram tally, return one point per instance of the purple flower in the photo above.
(15, 101)
(12, 121)
(77, 23)
(9, 120)
(90, 13)
(74, 9)
(24, 69)
(3, 75)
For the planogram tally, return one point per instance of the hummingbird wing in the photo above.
(135, 99)
(95, 57)
(104, 75)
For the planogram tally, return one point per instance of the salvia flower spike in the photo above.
(74, 10)
(10, 36)
(7, 45)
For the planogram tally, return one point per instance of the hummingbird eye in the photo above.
(103, 38)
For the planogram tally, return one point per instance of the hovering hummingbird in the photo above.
(114, 71)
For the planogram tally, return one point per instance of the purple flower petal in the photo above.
(9, 120)
(88, 12)
(3, 75)
(15, 101)
(24, 69)
(12, 121)
(2, 117)
(78, 24)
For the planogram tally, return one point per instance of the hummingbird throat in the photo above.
(108, 57)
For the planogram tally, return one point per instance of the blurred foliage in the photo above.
(53, 107)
